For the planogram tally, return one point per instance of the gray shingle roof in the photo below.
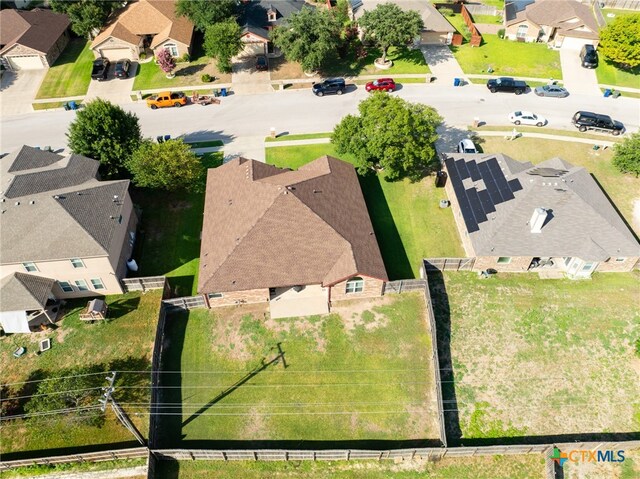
(253, 17)
(269, 227)
(583, 223)
(432, 18)
(28, 157)
(51, 221)
(24, 292)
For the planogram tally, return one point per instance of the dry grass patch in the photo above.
(281, 69)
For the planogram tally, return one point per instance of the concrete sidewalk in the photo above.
(524, 134)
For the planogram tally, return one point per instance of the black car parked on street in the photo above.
(331, 86)
(586, 120)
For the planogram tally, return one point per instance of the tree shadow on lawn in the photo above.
(72, 52)
(190, 70)
(122, 307)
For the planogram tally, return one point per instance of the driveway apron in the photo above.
(576, 79)
(113, 89)
(247, 80)
(18, 90)
(442, 63)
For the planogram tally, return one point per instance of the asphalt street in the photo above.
(299, 111)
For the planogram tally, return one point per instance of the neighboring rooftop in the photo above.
(498, 195)
(570, 17)
(24, 292)
(54, 207)
(254, 16)
(37, 29)
(432, 18)
(270, 227)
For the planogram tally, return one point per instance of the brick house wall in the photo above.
(232, 298)
(372, 288)
(613, 266)
(518, 264)
(57, 48)
(181, 47)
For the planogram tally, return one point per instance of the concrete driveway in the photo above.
(18, 89)
(442, 63)
(113, 89)
(576, 79)
(247, 80)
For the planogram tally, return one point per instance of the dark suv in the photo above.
(588, 57)
(100, 69)
(586, 120)
(328, 87)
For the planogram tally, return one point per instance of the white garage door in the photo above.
(115, 54)
(570, 43)
(252, 49)
(31, 62)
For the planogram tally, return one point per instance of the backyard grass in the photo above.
(621, 189)
(629, 469)
(497, 467)
(486, 19)
(616, 12)
(67, 468)
(70, 75)
(554, 358)
(363, 372)
(609, 74)
(124, 343)
(305, 136)
(169, 242)
(406, 217)
(509, 58)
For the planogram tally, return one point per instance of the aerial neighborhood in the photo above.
(401, 239)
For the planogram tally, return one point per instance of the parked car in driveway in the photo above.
(122, 68)
(261, 63)
(507, 84)
(330, 86)
(382, 84)
(527, 118)
(100, 69)
(167, 98)
(588, 57)
(467, 146)
(551, 90)
(587, 120)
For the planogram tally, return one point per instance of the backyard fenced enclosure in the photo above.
(449, 264)
(144, 283)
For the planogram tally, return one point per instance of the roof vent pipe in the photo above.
(538, 219)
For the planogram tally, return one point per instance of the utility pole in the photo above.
(107, 398)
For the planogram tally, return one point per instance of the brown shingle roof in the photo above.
(570, 17)
(36, 29)
(147, 17)
(269, 227)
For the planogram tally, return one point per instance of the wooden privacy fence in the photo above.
(403, 285)
(479, 9)
(449, 264)
(144, 284)
(476, 38)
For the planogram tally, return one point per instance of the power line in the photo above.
(249, 385)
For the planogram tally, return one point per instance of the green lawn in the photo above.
(609, 74)
(622, 189)
(487, 19)
(305, 136)
(404, 61)
(70, 75)
(363, 372)
(68, 468)
(509, 58)
(542, 357)
(124, 343)
(169, 242)
(406, 217)
(616, 12)
(497, 467)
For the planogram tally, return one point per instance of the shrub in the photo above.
(206, 78)
(501, 33)
(446, 12)
(638, 347)
(143, 56)
(185, 58)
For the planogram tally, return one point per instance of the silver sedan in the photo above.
(551, 90)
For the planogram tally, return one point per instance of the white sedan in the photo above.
(527, 118)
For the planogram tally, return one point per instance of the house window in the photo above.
(620, 260)
(173, 49)
(587, 266)
(30, 267)
(120, 219)
(522, 31)
(271, 16)
(504, 260)
(355, 285)
(214, 295)
(97, 283)
(81, 284)
(77, 263)
(66, 286)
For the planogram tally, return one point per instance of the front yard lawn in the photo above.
(405, 61)
(363, 372)
(406, 217)
(169, 240)
(124, 343)
(508, 58)
(622, 189)
(541, 357)
(71, 73)
(609, 74)
(496, 467)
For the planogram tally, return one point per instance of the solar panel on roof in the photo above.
(461, 166)
(490, 183)
(515, 185)
(473, 170)
(485, 201)
(476, 207)
(463, 202)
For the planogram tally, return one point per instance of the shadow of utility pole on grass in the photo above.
(258, 369)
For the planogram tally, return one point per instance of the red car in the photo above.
(384, 84)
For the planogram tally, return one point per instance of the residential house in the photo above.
(437, 29)
(144, 26)
(560, 23)
(515, 216)
(258, 18)
(32, 40)
(60, 223)
(296, 239)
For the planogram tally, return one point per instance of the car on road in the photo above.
(261, 63)
(100, 69)
(588, 57)
(587, 120)
(381, 84)
(122, 68)
(552, 91)
(507, 84)
(527, 118)
(167, 98)
(467, 146)
(330, 86)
